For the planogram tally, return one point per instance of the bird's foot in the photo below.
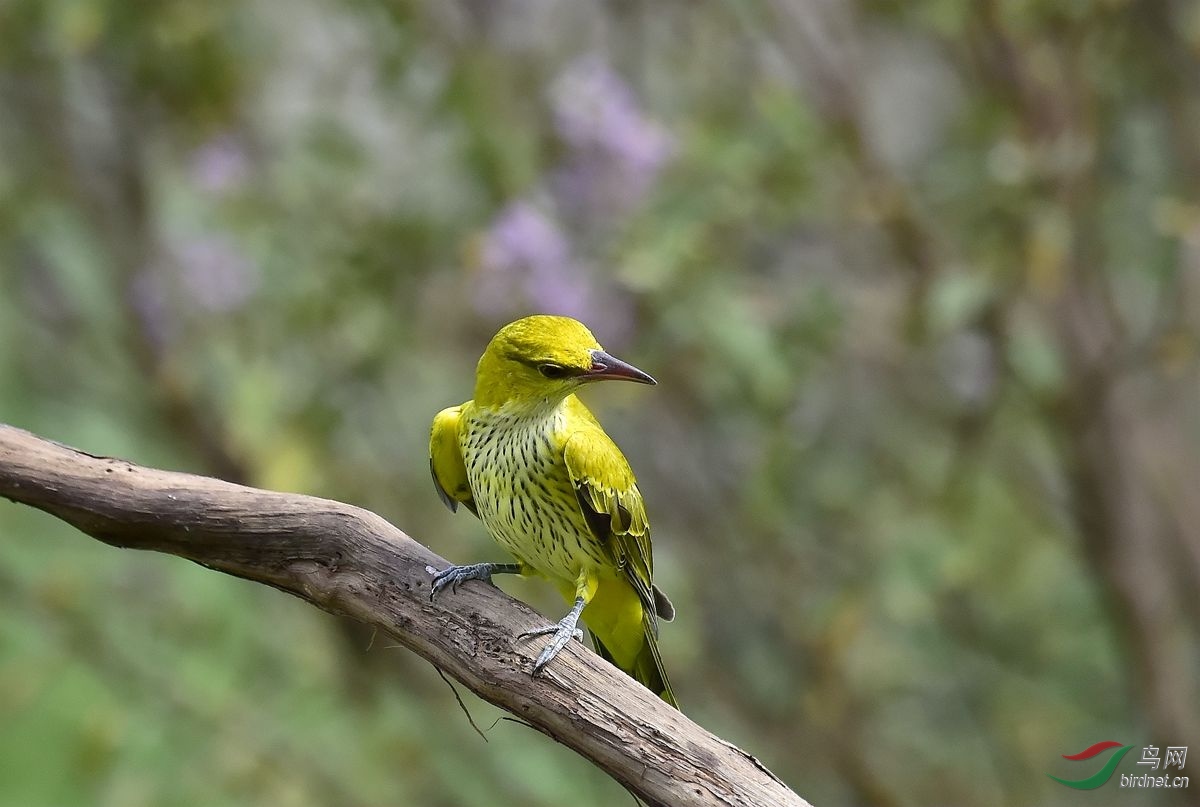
(455, 575)
(562, 633)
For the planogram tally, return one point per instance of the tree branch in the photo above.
(349, 561)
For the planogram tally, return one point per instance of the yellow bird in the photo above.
(529, 459)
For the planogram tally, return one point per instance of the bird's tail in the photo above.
(647, 668)
(625, 632)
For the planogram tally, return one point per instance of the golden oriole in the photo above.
(529, 459)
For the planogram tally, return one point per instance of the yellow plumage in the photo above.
(552, 488)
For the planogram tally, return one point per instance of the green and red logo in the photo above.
(1101, 776)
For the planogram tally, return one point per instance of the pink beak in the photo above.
(605, 366)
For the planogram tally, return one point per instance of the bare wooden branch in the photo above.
(349, 561)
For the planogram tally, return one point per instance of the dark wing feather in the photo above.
(611, 502)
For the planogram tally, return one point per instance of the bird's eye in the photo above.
(552, 370)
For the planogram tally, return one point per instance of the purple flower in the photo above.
(522, 237)
(616, 152)
(220, 165)
(218, 275)
(209, 272)
(525, 260)
(613, 158)
(594, 109)
(148, 296)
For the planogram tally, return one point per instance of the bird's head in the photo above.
(539, 360)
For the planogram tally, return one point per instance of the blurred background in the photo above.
(920, 282)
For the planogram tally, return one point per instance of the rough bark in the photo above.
(349, 561)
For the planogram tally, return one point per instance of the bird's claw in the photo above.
(455, 575)
(563, 632)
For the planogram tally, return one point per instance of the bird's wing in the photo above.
(612, 503)
(446, 461)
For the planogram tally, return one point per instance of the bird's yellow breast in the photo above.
(523, 491)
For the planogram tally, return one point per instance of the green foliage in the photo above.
(916, 279)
